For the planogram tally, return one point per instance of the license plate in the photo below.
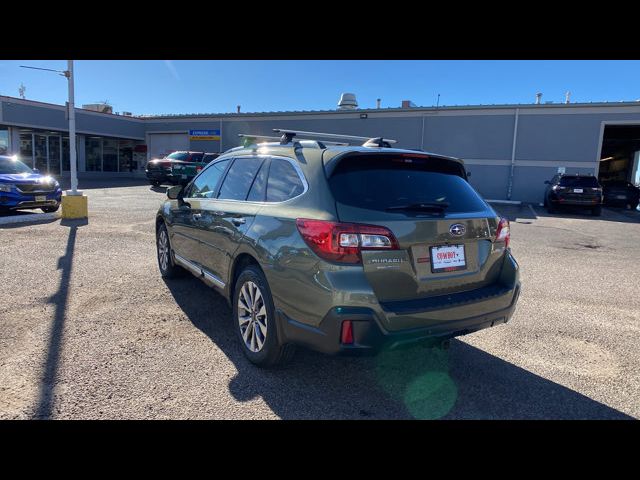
(40, 198)
(448, 258)
(621, 197)
(577, 190)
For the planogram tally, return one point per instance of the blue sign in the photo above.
(204, 134)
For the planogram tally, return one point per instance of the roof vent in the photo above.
(347, 101)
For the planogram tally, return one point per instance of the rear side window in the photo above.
(204, 185)
(196, 157)
(259, 187)
(579, 182)
(284, 182)
(237, 183)
(378, 183)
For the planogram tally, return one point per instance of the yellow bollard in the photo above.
(75, 206)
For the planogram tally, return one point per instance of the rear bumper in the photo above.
(370, 336)
(586, 200)
(613, 199)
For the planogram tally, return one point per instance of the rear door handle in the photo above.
(238, 220)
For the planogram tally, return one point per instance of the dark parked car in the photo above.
(620, 193)
(573, 190)
(340, 249)
(163, 170)
(24, 188)
(183, 172)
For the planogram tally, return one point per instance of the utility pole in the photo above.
(72, 131)
(74, 203)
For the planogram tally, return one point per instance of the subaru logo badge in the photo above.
(457, 230)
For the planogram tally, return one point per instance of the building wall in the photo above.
(45, 116)
(547, 137)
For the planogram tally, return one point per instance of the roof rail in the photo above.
(287, 140)
(287, 137)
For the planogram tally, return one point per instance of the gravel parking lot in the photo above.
(88, 329)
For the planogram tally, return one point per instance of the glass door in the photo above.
(40, 152)
(54, 155)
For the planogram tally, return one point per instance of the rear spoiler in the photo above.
(456, 164)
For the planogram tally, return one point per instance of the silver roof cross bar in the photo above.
(288, 134)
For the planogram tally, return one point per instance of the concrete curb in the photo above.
(28, 218)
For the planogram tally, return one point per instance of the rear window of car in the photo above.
(579, 182)
(377, 183)
(196, 157)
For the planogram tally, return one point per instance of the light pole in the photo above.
(74, 203)
(72, 131)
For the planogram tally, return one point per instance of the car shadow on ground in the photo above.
(609, 214)
(24, 218)
(106, 182)
(423, 383)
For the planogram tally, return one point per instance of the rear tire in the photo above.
(165, 260)
(255, 320)
(597, 211)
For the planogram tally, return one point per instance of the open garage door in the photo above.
(162, 144)
(620, 153)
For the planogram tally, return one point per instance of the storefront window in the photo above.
(4, 140)
(93, 154)
(65, 154)
(26, 149)
(125, 153)
(109, 155)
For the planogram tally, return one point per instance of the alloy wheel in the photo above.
(163, 250)
(252, 316)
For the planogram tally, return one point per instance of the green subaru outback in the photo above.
(342, 249)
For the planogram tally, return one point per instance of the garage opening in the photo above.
(620, 154)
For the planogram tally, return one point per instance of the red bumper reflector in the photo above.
(346, 336)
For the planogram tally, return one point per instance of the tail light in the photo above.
(198, 168)
(346, 335)
(503, 234)
(343, 242)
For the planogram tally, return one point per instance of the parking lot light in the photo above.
(74, 202)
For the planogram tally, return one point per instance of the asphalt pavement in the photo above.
(89, 330)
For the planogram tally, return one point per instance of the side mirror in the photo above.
(174, 192)
(468, 174)
(547, 182)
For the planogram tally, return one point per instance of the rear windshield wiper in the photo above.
(420, 207)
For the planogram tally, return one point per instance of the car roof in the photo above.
(313, 150)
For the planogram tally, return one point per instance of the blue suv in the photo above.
(21, 187)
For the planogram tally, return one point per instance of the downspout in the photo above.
(513, 155)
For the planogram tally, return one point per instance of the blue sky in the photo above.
(180, 86)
